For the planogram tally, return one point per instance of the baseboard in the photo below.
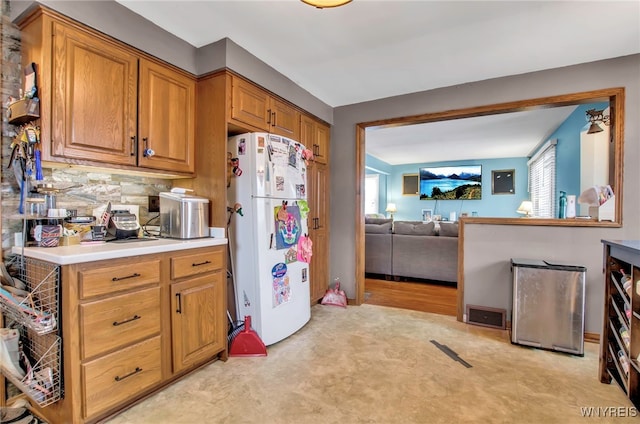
(592, 337)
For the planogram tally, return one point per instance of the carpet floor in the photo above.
(375, 364)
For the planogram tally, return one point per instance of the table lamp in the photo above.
(391, 208)
(526, 207)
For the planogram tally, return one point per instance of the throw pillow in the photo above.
(449, 229)
(414, 228)
(378, 228)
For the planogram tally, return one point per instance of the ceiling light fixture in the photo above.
(323, 4)
(595, 117)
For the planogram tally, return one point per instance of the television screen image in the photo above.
(451, 182)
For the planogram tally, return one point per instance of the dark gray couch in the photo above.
(411, 249)
(421, 252)
(377, 244)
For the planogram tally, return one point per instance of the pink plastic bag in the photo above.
(335, 296)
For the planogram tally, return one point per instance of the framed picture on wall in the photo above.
(410, 184)
(502, 181)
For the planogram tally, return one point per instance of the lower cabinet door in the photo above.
(197, 320)
(120, 376)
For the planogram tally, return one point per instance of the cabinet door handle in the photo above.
(136, 371)
(134, 275)
(178, 303)
(133, 318)
(316, 223)
(269, 116)
(133, 145)
(201, 263)
(274, 118)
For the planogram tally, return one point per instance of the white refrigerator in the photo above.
(269, 242)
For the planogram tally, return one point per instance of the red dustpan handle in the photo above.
(247, 323)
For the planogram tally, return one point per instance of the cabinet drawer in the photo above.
(185, 266)
(121, 375)
(119, 277)
(120, 320)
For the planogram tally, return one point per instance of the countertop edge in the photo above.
(68, 255)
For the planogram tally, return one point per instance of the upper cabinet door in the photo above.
(250, 104)
(94, 87)
(166, 137)
(285, 120)
(315, 136)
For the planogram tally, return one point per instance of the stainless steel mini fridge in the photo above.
(548, 305)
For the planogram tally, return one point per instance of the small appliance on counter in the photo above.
(123, 225)
(183, 216)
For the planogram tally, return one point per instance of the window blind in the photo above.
(542, 181)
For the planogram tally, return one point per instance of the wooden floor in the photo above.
(423, 297)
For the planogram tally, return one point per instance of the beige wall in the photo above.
(488, 249)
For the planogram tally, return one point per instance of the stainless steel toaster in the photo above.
(183, 216)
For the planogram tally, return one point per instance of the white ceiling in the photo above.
(372, 49)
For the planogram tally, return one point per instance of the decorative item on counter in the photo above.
(571, 206)
(562, 203)
(47, 235)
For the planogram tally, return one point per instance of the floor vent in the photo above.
(486, 317)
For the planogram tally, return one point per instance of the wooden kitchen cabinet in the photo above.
(196, 332)
(198, 290)
(620, 340)
(132, 325)
(315, 135)
(104, 103)
(252, 105)
(318, 197)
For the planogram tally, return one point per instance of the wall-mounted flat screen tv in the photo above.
(451, 182)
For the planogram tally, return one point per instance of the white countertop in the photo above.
(79, 253)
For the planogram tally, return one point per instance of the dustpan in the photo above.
(335, 296)
(247, 342)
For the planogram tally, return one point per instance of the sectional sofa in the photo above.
(411, 249)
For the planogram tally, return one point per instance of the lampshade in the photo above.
(526, 207)
(322, 4)
(594, 128)
(391, 207)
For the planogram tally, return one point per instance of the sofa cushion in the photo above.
(414, 228)
(448, 229)
(383, 228)
(369, 220)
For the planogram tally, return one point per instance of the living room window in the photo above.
(371, 194)
(542, 180)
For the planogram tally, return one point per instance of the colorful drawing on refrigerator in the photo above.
(279, 183)
(305, 249)
(281, 286)
(291, 255)
(304, 208)
(287, 226)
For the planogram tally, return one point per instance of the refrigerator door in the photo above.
(276, 295)
(285, 170)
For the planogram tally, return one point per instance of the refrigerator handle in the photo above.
(178, 303)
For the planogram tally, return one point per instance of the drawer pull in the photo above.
(178, 303)
(201, 263)
(136, 371)
(134, 275)
(135, 317)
